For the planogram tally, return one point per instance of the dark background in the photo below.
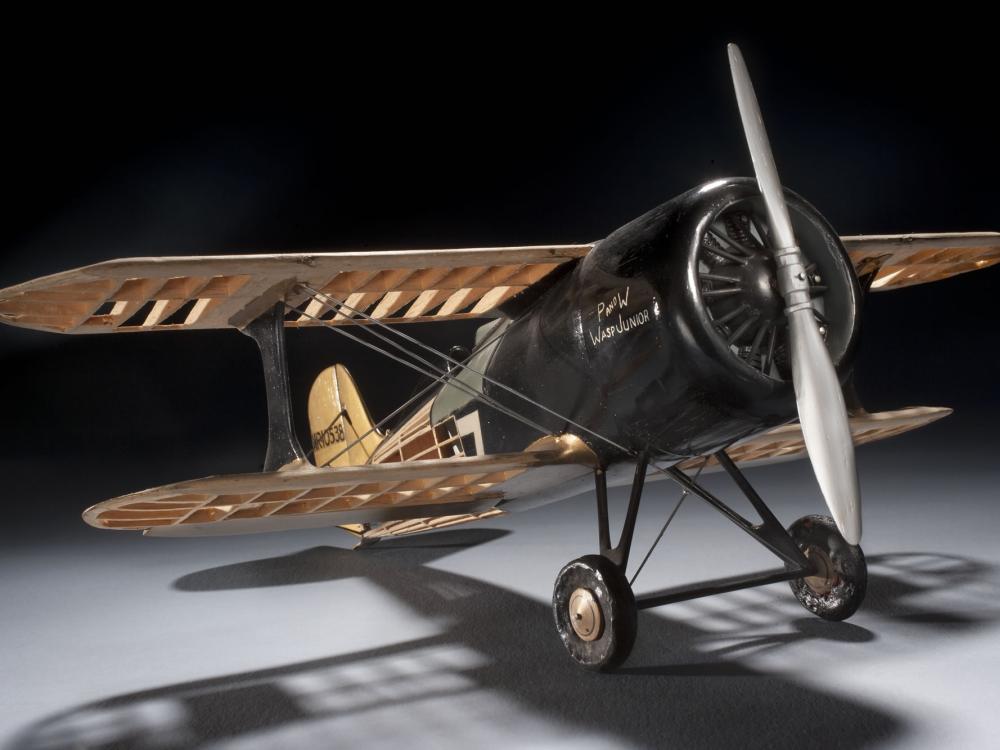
(490, 135)
(155, 134)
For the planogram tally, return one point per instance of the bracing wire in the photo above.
(441, 376)
(431, 371)
(684, 493)
(338, 306)
(378, 425)
(406, 404)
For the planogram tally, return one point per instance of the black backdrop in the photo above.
(348, 140)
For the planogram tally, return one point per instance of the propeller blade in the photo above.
(818, 395)
(823, 417)
(760, 151)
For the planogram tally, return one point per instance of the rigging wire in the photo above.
(440, 375)
(448, 379)
(684, 493)
(338, 306)
(409, 402)
(406, 404)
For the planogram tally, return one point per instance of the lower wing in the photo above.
(306, 497)
(399, 498)
(785, 442)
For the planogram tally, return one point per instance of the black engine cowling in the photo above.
(670, 335)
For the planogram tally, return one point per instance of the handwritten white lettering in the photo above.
(618, 302)
(624, 324)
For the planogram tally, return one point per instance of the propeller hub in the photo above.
(760, 282)
(738, 273)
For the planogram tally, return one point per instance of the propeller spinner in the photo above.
(818, 395)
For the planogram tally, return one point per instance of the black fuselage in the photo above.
(626, 342)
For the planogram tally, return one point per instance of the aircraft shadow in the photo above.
(676, 690)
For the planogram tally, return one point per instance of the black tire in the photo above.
(610, 642)
(838, 588)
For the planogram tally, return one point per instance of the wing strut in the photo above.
(268, 331)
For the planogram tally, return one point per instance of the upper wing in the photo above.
(305, 496)
(900, 260)
(153, 294)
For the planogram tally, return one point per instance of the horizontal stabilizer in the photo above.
(366, 534)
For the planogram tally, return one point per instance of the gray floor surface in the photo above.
(292, 640)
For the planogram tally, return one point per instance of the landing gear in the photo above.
(839, 579)
(595, 609)
(595, 612)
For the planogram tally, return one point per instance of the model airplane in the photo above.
(688, 340)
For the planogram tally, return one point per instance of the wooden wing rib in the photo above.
(784, 443)
(156, 294)
(305, 496)
(900, 260)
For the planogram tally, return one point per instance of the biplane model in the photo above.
(717, 331)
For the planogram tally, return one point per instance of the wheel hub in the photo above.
(825, 578)
(585, 614)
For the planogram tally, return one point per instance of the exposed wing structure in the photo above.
(155, 294)
(782, 443)
(406, 497)
(785, 442)
(400, 495)
(199, 292)
(900, 260)
(304, 496)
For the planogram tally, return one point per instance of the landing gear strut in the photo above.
(593, 604)
(596, 611)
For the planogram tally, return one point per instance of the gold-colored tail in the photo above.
(338, 418)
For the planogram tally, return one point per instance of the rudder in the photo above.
(338, 418)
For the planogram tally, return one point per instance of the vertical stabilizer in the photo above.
(338, 418)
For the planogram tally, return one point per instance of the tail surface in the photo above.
(342, 430)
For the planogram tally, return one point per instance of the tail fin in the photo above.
(338, 418)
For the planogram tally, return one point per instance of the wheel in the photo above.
(595, 612)
(838, 586)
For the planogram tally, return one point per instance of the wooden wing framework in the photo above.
(329, 492)
(156, 294)
(171, 293)
(304, 496)
(900, 260)
(420, 477)
(785, 442)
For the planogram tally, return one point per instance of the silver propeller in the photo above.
(820, 401)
